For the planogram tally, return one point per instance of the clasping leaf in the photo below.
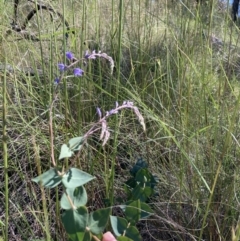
(48, 179)
(74, 178)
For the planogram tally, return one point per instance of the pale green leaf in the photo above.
(78, 196)
(98, 220)
(48, 179)
(76, 143)
(74, 178)
(65, 152)
(119, 225)
(75, 221)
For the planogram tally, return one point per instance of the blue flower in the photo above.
(78, 72)
(56, 81)
(62, 67)
(69, 55)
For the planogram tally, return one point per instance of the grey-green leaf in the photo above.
(123, 238)
(65, 152)
(119, 225)
(76, 143)
(133, 233)
(98, 220)
(75, 221)
(78, 195)
(48, 179)
(74, 178)
(83, 236)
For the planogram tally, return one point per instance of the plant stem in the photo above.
(5, 152)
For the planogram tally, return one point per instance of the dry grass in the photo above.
(184, 82)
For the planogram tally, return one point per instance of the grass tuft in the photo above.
(178, 61)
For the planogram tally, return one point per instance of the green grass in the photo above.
(185, 85)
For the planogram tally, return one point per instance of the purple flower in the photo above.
(78, 72)
(62, 67)
(90, 56)
(99, 112)
(69, 55)
(128, 103)
(56, 81)
(111, 112)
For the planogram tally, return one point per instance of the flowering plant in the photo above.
(78, 222)
(73, 61)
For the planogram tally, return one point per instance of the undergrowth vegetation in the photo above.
(178, 62)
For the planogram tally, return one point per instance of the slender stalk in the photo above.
(65, 82)
(112, 26)
(41, 45)
(82, 36)
(119, 45)
(5, 153)
(210, 200)
(43, 195)
(112, 174)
